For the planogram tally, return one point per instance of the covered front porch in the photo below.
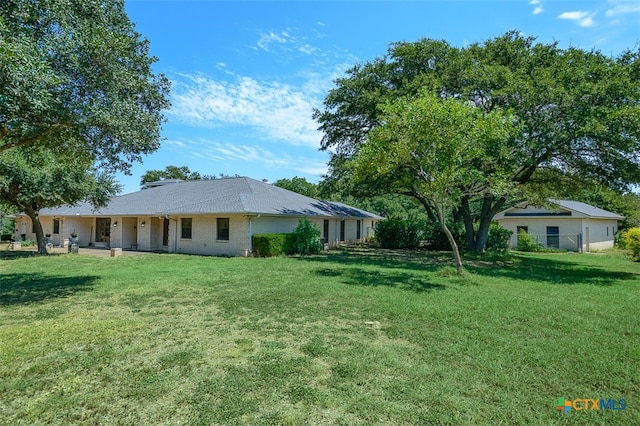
(136, 233)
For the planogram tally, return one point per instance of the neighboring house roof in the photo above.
(567, 205)
(240, 195)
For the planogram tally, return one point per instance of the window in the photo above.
(358, 231)
(222, 224)
(553, 237)
(185, 228)
(325, 233)
(342, 230)
(56, 226)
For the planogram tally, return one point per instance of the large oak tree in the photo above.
(436, 145)
(33, 178)
(77, 91)
(76, 76)
(578, 111)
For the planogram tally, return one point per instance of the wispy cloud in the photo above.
(538, 9)
(277, 111)
(230, 153)
(269, 39)
(584, 19)
(285, 40)
(622, 7)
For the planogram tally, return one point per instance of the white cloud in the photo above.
(284, 40)
(574, 16)
(623, 7)
(587, 22)
(231, 153)
(278, 112)
(538, 9)
(270, 38)
(584, 19)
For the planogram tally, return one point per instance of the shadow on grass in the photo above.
(413, 260)
(16, 254)
(553, 270)
(369, 278)
(359, 263)
(17, 289)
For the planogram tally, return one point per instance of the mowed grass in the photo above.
(354, 337)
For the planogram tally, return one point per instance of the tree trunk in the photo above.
(467, 219)
(477, 240)
(37, 227)
(452, 241)
(427, 207)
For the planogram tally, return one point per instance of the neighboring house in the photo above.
(565, 225)
(210, 217)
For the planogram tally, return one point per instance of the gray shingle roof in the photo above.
(217, 196)
(586, 209)
(576, 206)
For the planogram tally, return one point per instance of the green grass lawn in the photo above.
(359, 337)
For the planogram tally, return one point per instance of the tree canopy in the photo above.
(299, 185)
(169, 172)
(436, 145)
(77, 93)
(75, 76)
(32, 178)
(577, 111)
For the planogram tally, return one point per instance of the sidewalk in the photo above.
(100, 252)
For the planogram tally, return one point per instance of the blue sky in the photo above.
(246, 75)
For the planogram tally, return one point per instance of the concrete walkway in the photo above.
(100, 252)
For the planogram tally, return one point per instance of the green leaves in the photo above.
(78, 70)
(436, 146)
(572, 111)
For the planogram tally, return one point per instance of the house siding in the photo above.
(268, 225)
(150, 219)
(83, 226)
(594, 233)
(568, 230)
(204, 236)
(598, 230)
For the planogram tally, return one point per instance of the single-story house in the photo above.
(563, 224)
(209, 217)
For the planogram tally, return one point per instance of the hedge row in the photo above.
(303, 240)
(267, 245)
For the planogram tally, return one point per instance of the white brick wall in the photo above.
(148, 237)
(204, 236)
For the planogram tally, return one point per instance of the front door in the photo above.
(103, 230)
(165, 232)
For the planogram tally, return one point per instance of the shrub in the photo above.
(436, 239)
(527, 243)
(267, 245)
(399, 234)
(499, 238)
(631, 241)
(304, 240)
